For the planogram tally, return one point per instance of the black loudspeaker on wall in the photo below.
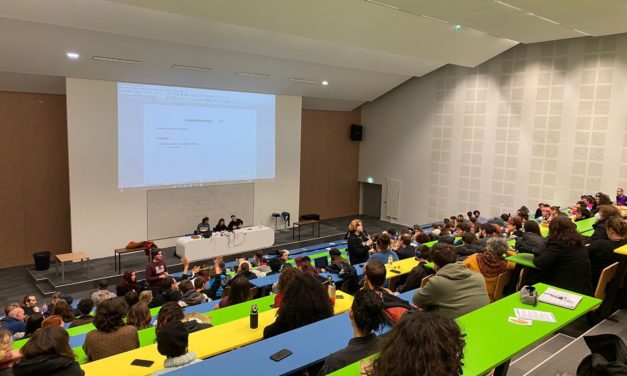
(357, 132)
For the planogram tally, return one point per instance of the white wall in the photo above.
(543, 122)
(103, 218)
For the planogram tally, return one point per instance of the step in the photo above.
(538, 353)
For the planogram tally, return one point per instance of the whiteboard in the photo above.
(177, 211)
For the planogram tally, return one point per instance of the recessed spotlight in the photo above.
(72, 55)
(325, 83)
(458, 27)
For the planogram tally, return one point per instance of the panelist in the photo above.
(235, 223)
(204, 226)
(221, 226)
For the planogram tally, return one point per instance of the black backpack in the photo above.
(348, 274)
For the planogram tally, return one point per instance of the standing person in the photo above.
(204, 226)
(358, 243)
(235, 223)
(565, 260)
(366, 315)
(221, 226)
(48, 353)
(112, 336)
(422, 343)
(127, 283)
(621, 199)
(156, 270)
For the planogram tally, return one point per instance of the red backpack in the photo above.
(394, 307)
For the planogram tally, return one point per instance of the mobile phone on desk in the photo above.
(278, 356)
(395, 271)
(142, 363)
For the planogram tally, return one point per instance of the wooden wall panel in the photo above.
(34, 179)
(329, 163)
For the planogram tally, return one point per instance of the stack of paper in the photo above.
(530, 314)
(560, 298)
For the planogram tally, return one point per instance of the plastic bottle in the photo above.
(332, 291)
(254, 317)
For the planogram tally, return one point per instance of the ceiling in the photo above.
(362, 48)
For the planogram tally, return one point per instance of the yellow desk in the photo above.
(204, 343)
(400, 268)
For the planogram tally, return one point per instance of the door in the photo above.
(371, 199)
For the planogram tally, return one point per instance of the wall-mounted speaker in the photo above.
(357, 132)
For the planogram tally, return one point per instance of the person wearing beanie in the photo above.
(172, 341)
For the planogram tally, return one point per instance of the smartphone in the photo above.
(142, 362)
(280, 355)
(395, 271)
(339, 296)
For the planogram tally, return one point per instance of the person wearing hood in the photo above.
(454, 290)
(48, 353)
(490, 263)
(565, 260)
(172, 342)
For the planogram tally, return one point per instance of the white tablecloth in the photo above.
(228, 243)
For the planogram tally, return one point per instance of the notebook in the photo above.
(560, 298)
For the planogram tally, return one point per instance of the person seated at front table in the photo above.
(204, 226)
(454, 290)
(235, 223)
(490, 263)
(384, 250)
(221, 226)
(366, 315)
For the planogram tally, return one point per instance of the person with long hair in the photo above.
(238, 293)
(422, 343)
(139, 316)
(127, 283)
(146, 297)
(112, 336)
(63, 309)
(8, 356)
(220, 226)
(490, 263)
(305, 302)
(531, 240)
(358, 243)
(601, 251)
(285, 279)
(565, 261)
(603, 214)
(48, 353)
(33, 323)
(171, 312)
(366, 317)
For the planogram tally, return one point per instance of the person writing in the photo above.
(358, 243)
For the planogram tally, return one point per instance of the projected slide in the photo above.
(172, 136)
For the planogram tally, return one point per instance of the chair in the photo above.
(606, 276)
(502, 280)
(521, 278)
(276, 217)
(425, 281)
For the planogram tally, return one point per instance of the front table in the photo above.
(227, 243)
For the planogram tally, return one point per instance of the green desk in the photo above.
(585, 225)
(491, 341)
(524, 259)
(611, 291)
(321, 254)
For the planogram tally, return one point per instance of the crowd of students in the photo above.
(462, 269)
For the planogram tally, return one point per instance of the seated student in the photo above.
(33, 323)
(284, 255)
(514, 227)
(238, 293)
(48, 353)
(384, 250)
(217, 280)
(305, 302)
(8, 356)
(235, 223)
(366, 315)
(127, 283)
(374, 279)
(415, 276)
(601, 199)
(243, 270)
(454, 290)
(307, 268)
(15, 321)
(469, 246)
(285, 279)
(102, 293)
(29, 305)
(220, 226)
(275, 266)
(490, 263)
(601, 251)
(259, 259)
(565, 261)
(53, 320)
(169, 292)
(171, 312)
(621, 199)
(531, 240)
(603, 214)
(422, 343)
(344, 269)
(61, 308)
(173, 342)
(191, 296)
(145, 297)
(581, 214)
(445, 235)
(112, 336)
(403, 247)
(204, 227)
(139, 316)
(131, 298)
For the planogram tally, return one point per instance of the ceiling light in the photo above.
(303, 81)
(252, 75)
(325, 83)
(507, 5)
(116, 60)
(458, 27)
(382, 4)
(72, 55)
(188, 67)
(582, 32)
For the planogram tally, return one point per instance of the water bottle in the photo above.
(254, 317)
(332, 290)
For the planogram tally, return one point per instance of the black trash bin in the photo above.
(42, 260)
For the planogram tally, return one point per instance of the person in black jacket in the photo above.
(415, 276)
(403, 247)
(366, 317)
(601, 251)
(169, 293)
(221, 226)
(344, 269)
(235, 223)
(48, 353)
(532, 240)
(358, 243)
(565, 260)
(603, 214)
